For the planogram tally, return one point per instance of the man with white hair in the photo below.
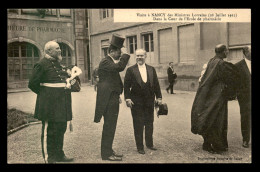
(141, 86)
(53, 103)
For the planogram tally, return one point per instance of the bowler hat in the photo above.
(117, 41)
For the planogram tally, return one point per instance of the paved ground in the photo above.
(172, 136)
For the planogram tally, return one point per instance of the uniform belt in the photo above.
(53, 84)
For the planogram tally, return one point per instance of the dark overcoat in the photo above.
(133, 86)
(171, 75)
(52, 104)
(244, 90)
(212, 96)
(109, 81)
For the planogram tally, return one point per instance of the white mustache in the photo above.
(59, 57)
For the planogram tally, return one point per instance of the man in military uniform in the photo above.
(53, 103)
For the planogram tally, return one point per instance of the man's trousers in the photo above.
(109, 126)
(55, 138)
(143, 117)
(246, 124)
(170, 87)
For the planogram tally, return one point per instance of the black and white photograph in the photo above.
(129, 86)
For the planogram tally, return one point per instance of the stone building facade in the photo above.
(84, 34)
(29, 30)
(188, 45)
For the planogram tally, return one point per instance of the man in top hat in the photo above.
(209, 114)
(109, 88)
(141, 86)
(244, 94)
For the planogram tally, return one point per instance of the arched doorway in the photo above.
(66, 54)
(21, 58)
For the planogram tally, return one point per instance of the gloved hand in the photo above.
(129, 103)
(124, 50)
(158, 101)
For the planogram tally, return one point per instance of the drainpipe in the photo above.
(89, 44)
(74, 31)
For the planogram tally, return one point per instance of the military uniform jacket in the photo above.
(109, 81)
(52, 104)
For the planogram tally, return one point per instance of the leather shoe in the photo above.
(117, 155)
(112, 158)
(209, 149)
(245, 144)
(152, 148)
(64, 159)
(141, 151)
(167, 90)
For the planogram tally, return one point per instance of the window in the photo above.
(65, 12)
(239, 33)
(30, 11)
(66, 54)
(132, 44)
(165, 45)
(44, 12)
(51, 12)
(186, 43)
(148, 42)
(40, 12)
(12, 11)
(21, 59)
(112, 12)
(104, 47)
(104, 13)
(105, 51)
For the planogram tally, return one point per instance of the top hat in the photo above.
(161, 109)
(117, 41)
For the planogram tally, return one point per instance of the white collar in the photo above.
(115, 61)
(141, 66)
(248, 61)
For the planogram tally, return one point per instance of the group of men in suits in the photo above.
(220, 81)
(141, 90)
(141, 86)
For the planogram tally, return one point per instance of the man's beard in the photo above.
(59, 58)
